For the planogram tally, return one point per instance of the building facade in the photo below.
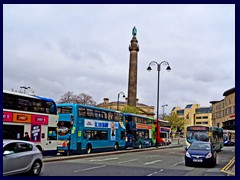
(223, 111)
(194, 115)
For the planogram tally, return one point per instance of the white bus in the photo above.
(33, 114)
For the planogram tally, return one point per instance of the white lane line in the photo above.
(87, 169)
(151, 156)
(177, 163)
(152, 162)
(127, 161)
(104, 159)
(155, 172)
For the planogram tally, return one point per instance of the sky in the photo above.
(84, 49)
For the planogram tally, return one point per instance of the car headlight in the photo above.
(187, 154)
(209, 155)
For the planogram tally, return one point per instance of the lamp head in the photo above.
(168, 68)
(149, 68)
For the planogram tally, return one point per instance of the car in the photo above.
(201, 153)
(21, 157)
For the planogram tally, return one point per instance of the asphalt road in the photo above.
(157, 162)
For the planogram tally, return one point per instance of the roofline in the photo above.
(230, 91)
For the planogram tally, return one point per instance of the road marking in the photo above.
(87, 169)
(127, 161)
(229, 164)
(177, 163)
(155, 172)
(152, 162)
(104, 159)
(151, 156)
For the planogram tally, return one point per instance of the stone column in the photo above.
(132, 77)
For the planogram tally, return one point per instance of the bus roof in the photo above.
(28, 95)
(137, 115)
(87, 106)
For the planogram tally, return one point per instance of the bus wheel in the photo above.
(116, 146)
(89, 149)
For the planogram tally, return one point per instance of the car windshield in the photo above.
(200, 146)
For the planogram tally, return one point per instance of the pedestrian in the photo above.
(26, 137)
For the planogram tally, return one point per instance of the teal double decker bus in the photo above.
(139, 131)
(86, 129)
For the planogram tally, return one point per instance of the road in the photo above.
(157, 162)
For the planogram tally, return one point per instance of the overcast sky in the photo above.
(84, 48)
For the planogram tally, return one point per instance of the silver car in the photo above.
(21, 157)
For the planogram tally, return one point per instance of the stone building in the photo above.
(144, 109)
(223, 111)
(194, 115)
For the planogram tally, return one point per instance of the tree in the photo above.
(130, 109)
(176, 122)
(82, 98)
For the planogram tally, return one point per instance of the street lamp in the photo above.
(165, 63)
(163, 109)
(123, 95)
(24, 88)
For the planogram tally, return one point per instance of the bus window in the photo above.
(52, 133)
(90, 113)
(110, 116)
(63, 128)
(81, 112)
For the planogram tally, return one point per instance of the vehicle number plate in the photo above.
(197, 160)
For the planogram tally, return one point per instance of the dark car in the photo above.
(21, 157)
(201, 153)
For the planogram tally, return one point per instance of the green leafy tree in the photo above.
(175, 121)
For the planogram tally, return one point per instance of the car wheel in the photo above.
(140, 146)
(36, 168)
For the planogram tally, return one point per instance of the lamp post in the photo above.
(165, 63)
(163, 110)
(24, 88)
(123, 95)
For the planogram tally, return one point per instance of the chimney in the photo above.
(106, 100)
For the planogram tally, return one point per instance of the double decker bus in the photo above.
(205, 133)
(164, 131)
(86, 129)
(138, 130)
(34, 114)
